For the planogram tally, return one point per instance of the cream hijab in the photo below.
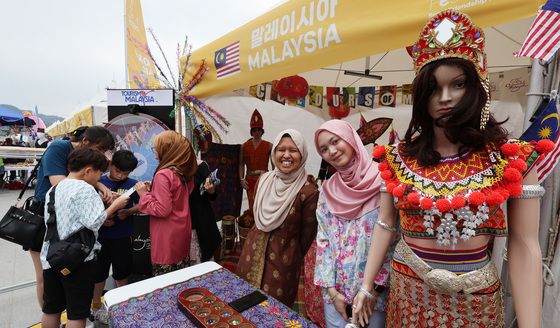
(276, 191)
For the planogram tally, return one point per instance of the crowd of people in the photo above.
(400, 237)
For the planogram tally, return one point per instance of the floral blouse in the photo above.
(342, 250)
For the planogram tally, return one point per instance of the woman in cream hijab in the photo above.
(285, 223)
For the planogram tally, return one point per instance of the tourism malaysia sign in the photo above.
(142, 97)
(303, 35)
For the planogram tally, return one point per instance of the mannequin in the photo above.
(448, 181)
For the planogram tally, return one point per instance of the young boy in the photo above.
(115, 235)
(77, 205)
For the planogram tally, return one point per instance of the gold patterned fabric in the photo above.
(413, 304)
(272, 261)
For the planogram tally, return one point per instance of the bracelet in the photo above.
(334, 296)
(365, 292)
(531, 191)
(386, 226)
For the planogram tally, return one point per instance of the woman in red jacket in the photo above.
(167, 202)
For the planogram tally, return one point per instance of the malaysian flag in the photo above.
(226, 61)
(543, 38)
(545, 126)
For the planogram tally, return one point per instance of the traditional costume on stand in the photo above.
(285, 227)
(459, 198)
(256, 159)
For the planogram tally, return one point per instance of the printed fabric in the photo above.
(342, 249)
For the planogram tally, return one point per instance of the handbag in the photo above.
(66, 255)
(20, 225)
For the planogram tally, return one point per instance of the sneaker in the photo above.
(102, 316)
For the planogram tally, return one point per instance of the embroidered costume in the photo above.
(456, 199)
(451, 202)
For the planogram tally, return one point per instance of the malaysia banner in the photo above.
(545, 126)
(543, 38)
(226, 61)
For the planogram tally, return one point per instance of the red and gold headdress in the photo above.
(452, 34)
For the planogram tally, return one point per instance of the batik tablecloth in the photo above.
(159, 308)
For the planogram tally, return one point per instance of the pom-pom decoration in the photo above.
(426, 203)
(494, 198)
(443, 205)
(512, 175)
(398, 191)
(518, 164)
(514, 189)
(378, 152)
(510, 149)
(413, 198)
(458, 201)
(544, 146)
(476, 198)
(386, 174)
(383, 166)
(390, 187)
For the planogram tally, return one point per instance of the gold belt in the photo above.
(256, 172)
(447, 282)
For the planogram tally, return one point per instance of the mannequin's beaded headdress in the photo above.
(451, 34)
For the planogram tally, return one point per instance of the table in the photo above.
(153, 302)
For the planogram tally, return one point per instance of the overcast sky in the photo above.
(61, 55)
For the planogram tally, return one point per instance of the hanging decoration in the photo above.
(196, 111)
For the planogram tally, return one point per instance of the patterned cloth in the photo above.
(458, 198)
(77, 205)
(159, 308)
(159, 269)
(312, 293)
(225, 158)
(487, 170)
(272, 260)
(342, 249)
(413, 304)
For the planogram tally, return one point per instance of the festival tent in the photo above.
(91, 115)
(355, 31)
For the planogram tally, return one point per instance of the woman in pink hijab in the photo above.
(347, 213)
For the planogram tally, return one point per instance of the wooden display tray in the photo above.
(205, 309)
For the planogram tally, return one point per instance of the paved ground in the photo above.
(19, 308)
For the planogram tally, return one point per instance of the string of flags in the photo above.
(327, 97)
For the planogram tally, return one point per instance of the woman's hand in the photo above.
(339, 302)
(142, 187)
(244, 184)
(209, 186)
(362, 308)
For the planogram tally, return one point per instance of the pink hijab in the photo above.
(354, 189)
